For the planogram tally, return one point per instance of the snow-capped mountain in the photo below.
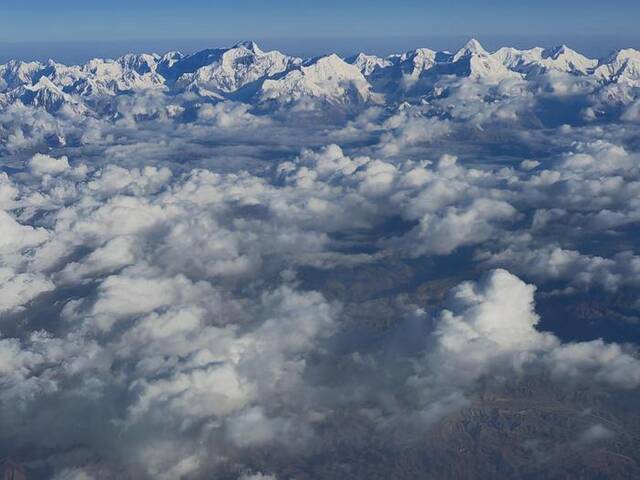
(168, 60)
(540, 60)
(415, 62)
(474, 61)
(140, 63)
(61, 75)
(15, 74)
(367, 64)
(621, 67)
(329, 78)
(471, 48)
(44, 94)
(419, 69)
(98, 77)
(247, 73)
(110, 77)
(226, 71)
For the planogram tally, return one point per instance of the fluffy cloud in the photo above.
(490, 328)
(575, 269)
(173, 305)
(17, 237)
(44, 164)
(16, 289)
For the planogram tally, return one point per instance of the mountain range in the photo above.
(244, 72)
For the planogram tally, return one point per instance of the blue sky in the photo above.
(133, 22)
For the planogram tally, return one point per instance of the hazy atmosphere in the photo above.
(75, 31)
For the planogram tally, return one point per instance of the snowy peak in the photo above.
(557, 52)
(329, 78)
(625, 54)
(564, 59)
(412, 70)
(367, 64)
(249, 45)
(174, 64)
(518, 60)
(474, 61)
(538, 61)
(485, 67)
(139, 63)
(169, 59)
(61, 75)
(472, 47)
(328, 62)
(44, 84)
(15, 74)
(128, 73)
(623, 67)
(44, 94)
(228, 70)
(418, 61)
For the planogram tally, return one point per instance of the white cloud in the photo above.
(16, 237)
(577, 270)
(229, 115)
(490, 326)
(44, 164)
(16, 289)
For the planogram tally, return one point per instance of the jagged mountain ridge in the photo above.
(245, 72)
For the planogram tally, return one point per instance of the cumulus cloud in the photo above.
(180, 345)
(408, 127)
(575, 269)
(490, 328)
(16, 289)
(44, 164)
(175, 298)
(229, 114)
(18, 237)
